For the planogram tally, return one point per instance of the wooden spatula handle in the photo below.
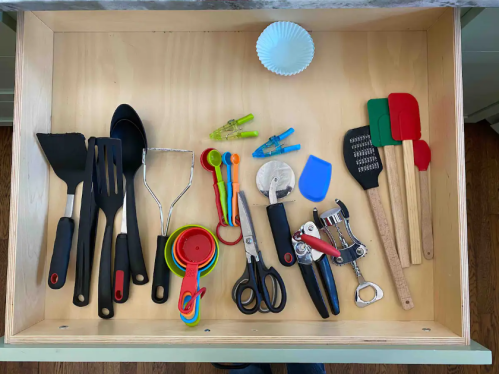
(398, 276)
(426, 225)
(399, 219)
(412, 202)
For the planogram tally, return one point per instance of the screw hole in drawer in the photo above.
(63, 327)
(207, 330)
(427, 329)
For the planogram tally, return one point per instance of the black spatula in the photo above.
(109, 198)
(363, 161)
(66, 153)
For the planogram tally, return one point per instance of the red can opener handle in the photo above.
(320, 245)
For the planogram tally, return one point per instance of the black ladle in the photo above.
(127, 126)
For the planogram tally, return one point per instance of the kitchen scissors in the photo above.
(256, 273)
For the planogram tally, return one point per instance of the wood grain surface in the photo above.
(482, 168)
(186, 84)
(397, 207)
(412, 202)
(30, 177)
(387, 238)
(426, 220)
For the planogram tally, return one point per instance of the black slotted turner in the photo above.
(363, 162)
(109, 198)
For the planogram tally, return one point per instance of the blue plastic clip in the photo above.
(275, 142)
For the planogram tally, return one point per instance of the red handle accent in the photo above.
(120, 281)
(189, 285)
(320, 245)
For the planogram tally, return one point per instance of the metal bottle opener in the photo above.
(350, 252)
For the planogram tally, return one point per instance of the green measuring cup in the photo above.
(215, 159)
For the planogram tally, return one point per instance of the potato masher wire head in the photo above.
(164, 229)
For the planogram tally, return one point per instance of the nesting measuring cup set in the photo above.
(225, 197)
(191, 253)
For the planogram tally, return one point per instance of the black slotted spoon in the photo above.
(109, 198)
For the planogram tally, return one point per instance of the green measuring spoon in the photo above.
(215, 160)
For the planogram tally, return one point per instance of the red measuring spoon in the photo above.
(422, 158)
(195, 246)
(221, 221)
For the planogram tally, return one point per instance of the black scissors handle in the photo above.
(263, 273)
(252, 285)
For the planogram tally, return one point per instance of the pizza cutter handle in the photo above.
(281, 233)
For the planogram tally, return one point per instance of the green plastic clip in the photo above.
(232, 130)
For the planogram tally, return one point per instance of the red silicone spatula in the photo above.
(406, 126)
(422, 158)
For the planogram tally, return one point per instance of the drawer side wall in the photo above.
(447, 174)
(26, 277)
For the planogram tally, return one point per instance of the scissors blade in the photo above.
(247, 227)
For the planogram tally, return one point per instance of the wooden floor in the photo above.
(482, 175)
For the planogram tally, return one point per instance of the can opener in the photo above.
(350, 253)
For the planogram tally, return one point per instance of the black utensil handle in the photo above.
(252, 285)
(161, 276)
(62, 249)
(137, 264)
(281, 233)
(105, 286)
(327, 278)
(308, 274)
(343, 208)
(121, 282)
(263, 274)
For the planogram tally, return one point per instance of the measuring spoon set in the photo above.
(225, 196)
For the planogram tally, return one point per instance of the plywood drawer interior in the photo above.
(186, 72)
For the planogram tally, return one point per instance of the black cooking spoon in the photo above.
(127, 126)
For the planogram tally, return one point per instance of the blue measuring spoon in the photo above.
(226, 160)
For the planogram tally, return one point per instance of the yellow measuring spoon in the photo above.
(235, 187)
(215, 159)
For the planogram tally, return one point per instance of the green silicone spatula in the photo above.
(215, 160)
(381, 136)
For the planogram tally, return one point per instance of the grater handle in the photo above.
(398, 276)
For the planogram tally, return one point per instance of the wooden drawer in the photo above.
(187, 72)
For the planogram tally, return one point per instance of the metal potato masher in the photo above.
(350, 253)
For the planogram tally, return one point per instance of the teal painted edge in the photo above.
(474, 354)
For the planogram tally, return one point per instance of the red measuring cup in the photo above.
(221, 221)
(195, 246)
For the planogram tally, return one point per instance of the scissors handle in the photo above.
(252, 285)
(263, 273)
